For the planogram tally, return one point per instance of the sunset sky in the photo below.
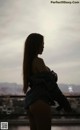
(58, 23)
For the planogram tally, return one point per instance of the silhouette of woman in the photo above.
(36, 103)
(42, 83)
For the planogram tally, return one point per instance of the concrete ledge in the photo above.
(25, 122)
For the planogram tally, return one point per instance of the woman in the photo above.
(38, 107)
(42, 83)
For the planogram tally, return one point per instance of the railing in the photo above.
(21, 116)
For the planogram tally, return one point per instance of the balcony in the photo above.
(12, 111)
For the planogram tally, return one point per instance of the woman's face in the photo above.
(41, 48)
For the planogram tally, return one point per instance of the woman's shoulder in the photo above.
(39, 65)
(36, 64)
(38, 60)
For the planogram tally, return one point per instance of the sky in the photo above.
(59, 23)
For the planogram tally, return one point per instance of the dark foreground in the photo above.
(52, 128)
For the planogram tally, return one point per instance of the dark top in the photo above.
(43, 86)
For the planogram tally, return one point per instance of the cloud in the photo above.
(60, 25)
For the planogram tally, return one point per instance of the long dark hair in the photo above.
(31, 49)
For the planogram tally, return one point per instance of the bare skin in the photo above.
(40, 116)
(39, 112)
